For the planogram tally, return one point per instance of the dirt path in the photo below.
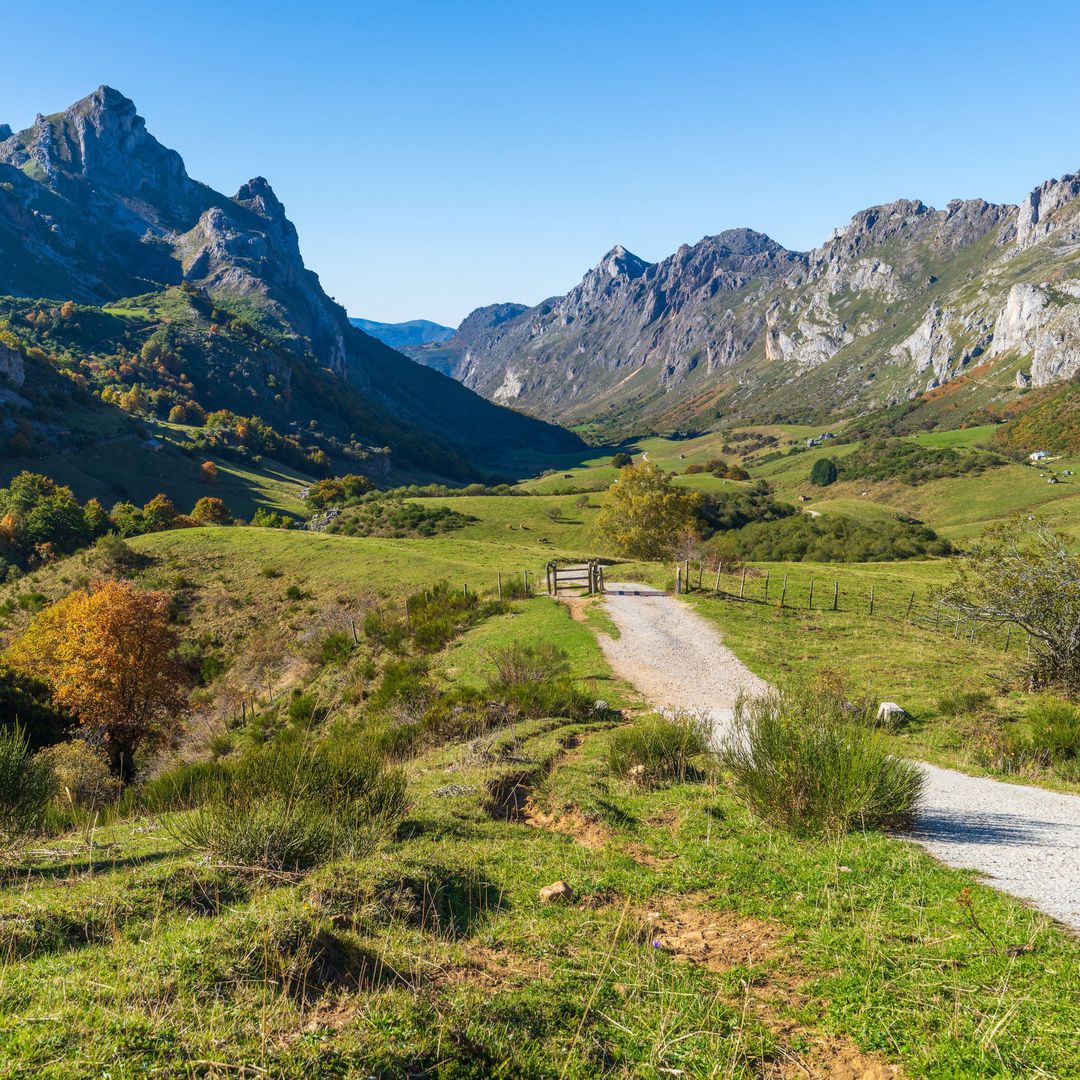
(1025, 840)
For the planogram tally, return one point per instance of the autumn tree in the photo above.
(107, 653)
(210, 511)
(644, 514)
(208, 472)
(159, 514)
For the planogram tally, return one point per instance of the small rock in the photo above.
(557, 893)
(890, 713)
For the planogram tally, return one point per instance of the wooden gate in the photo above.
(589, 576)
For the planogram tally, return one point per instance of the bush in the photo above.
(26, 788)
(811, 761)
(81, 775)
(823, 472)
(659, 750)
(519, 663)
(292, 806)
(621, 460)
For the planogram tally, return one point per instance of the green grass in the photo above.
(435, 953)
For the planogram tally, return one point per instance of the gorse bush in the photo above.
(26, 788)
(81, 775)
(521, 662)
(293, 805)
(811, 761)
(659, 750)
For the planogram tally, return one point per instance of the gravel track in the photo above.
(1024, 840)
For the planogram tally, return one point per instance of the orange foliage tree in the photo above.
(109, 654)
(208, 472)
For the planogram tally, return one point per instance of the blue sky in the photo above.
(439, 156)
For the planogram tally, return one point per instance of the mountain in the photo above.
(450, 356)
(404, 334)
(903, 302)
(94, 211)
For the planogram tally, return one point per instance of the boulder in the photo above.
(890, 713)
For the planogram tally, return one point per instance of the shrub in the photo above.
(81, 775)
(659, 750)
(807, 759)
(823, 472)
(621, 460)
(26, 787)
(292, 806)
(294, 592)
(519, 662)
(117, 557)
(335, 647)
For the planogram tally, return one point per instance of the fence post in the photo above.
(716, 588)
(766, 600)
(1008, 636)
(974, 624)
(525, 578)
(811, 605)
(699, 570)
(956, 631)
(686, 576)
(910, 605)
(783, 592)
(742, 584)
(678, 579)
(836, 595)
(871, 599)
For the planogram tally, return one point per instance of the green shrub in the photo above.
(335, 648)
(658, 750)
(1055, 728)
(823, 472)
(809, 760)
(294, 805)
(294, 592)
(26, 788)
(521, 662)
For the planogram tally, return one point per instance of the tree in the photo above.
(178, 415)
(210, 511)
(159, 514)
(208, 472)
(644, 513)
(823, 472)
(622, 459)
(108, 654)
(1025, 573)
(127, 519)
(96, 518)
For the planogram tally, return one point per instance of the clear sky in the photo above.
(440, 155)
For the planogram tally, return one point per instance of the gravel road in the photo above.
(1024, 840)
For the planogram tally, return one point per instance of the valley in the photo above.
(304, 773)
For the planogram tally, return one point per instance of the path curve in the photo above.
(1025, 840)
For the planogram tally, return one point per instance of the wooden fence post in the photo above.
(974, 624)
(766, 599)
(678, 579)
(1008, 636)
(716, 588)
(498, 582)
(836, 595)
(699, 570)
(871, 599)
(910, 605)
(742, 584)
(783, 592)
(811, 604)
(686, 576)
(352, 625)
(956, 631)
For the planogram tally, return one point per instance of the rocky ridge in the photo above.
(901, 301)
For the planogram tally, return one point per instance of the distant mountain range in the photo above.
(405, 334)
(903, 302)
(94, 210)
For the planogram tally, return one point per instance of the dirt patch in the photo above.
(720, 941)
(577, 605)
(573, 823)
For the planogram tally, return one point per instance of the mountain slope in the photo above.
(93, 209)
(902, 301)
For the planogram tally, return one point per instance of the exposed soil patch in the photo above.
(492, 968)
(719, 941)
(573, 823)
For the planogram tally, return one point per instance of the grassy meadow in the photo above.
(699, 941)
